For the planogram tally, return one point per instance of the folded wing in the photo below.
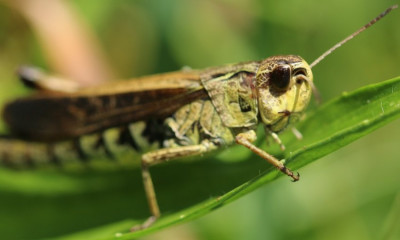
(52, 116)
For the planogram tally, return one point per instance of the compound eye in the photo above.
(280, 77)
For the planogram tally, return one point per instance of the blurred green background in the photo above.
(353, 193)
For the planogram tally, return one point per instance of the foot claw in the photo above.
(296, 178)
(288, 172)
(145, 225)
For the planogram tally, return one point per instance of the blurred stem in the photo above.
(69, 45)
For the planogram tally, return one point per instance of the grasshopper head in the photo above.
(284, 87)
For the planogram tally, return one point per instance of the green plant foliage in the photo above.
(348, 194)
(330, 127)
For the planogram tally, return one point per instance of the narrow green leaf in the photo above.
(332, 126)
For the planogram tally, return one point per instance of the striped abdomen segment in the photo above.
(113, 144)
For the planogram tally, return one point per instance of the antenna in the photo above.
(316, 61)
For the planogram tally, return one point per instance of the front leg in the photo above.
(160, 156)
(250, 136)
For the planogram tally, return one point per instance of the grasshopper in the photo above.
(187, 113)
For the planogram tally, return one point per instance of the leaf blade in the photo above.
(338, 122)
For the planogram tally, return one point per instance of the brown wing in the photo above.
(59, 116)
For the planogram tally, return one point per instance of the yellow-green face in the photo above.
(284, 87)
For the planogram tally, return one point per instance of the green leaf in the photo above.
(114, 200)
(334, 125)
